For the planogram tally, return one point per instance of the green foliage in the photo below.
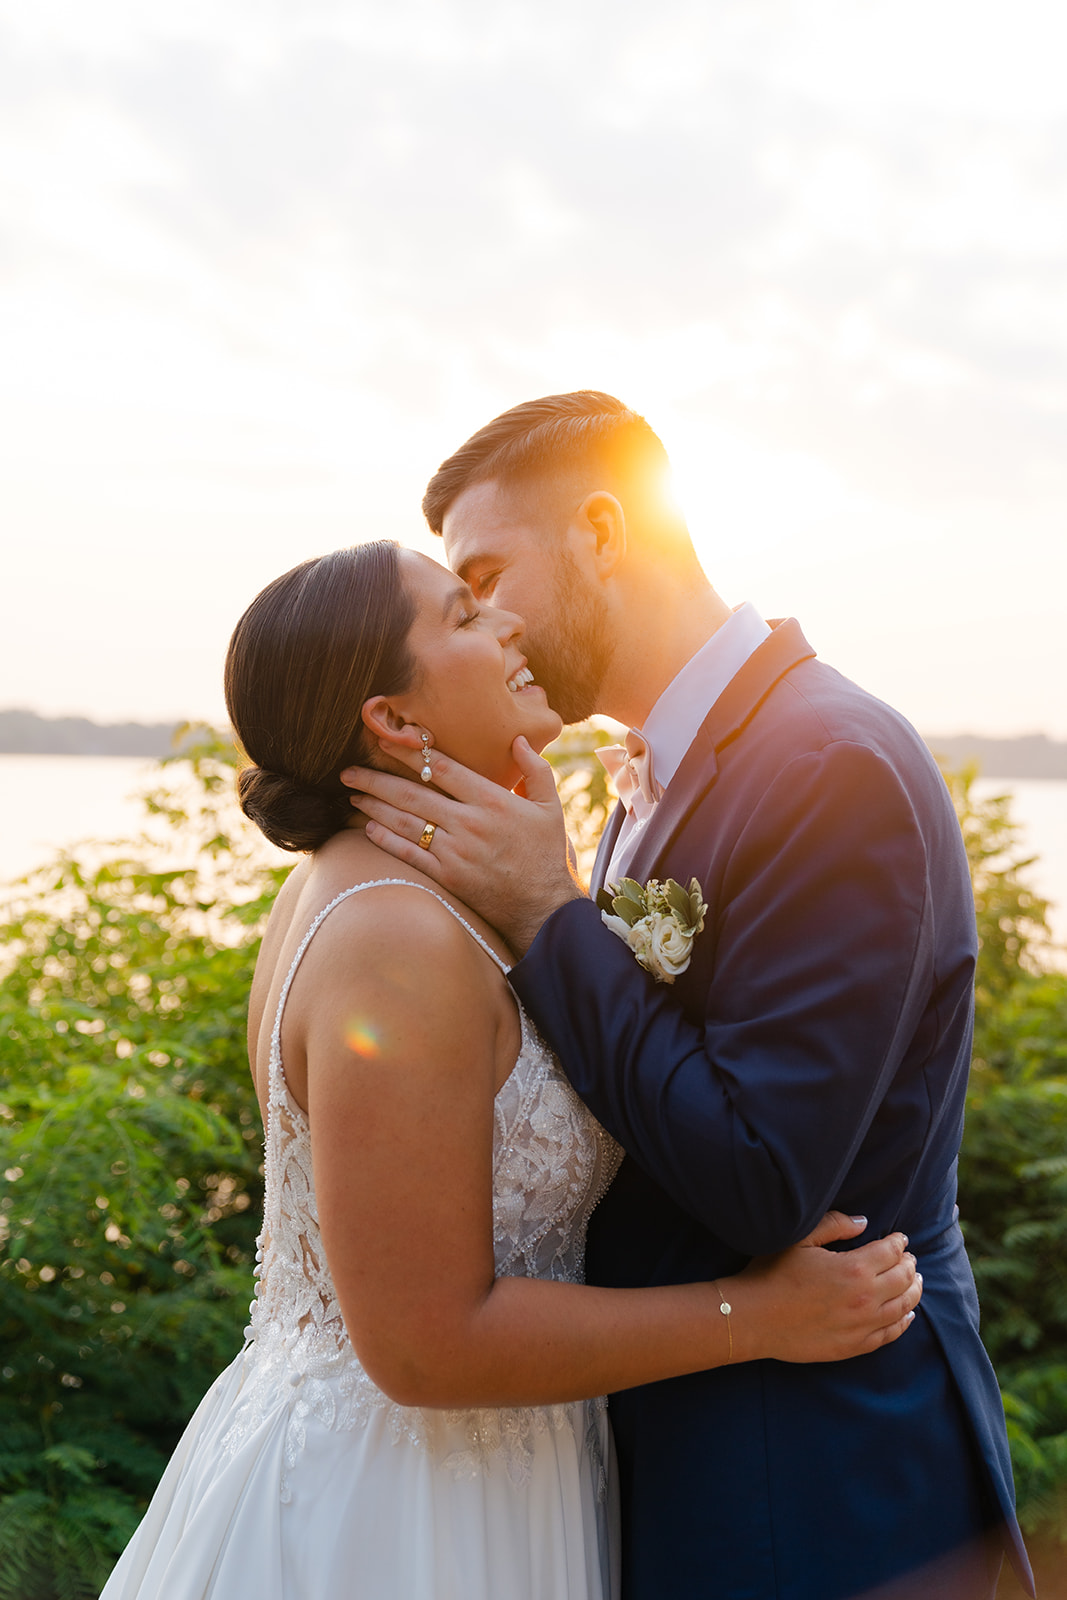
(583, 788)
(130, 1148)
(1013, 1165)
(1013, 933)
(1013, 1201)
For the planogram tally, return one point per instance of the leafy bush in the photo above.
(582, 782)
(1013, 931)
(1013, 1164)
(130, 1146)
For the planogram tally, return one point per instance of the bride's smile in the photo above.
(473, 690)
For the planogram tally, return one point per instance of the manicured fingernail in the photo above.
(905, 1239)
(859, 1219)
(910, 1317)
(918, 1277)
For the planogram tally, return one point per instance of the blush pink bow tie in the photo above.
(629, 766)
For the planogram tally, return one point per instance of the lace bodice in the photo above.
(552, 1162)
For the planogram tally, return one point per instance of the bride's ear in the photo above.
(382, 721)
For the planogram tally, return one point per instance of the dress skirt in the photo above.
(298, 1508)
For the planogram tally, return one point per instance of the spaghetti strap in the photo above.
(376, 883)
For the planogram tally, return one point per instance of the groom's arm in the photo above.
(751, 1118)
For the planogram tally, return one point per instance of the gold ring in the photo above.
(426, 836)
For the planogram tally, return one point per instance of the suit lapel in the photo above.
(604, 849)
(785, 647)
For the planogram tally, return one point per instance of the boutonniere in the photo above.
(659, 922)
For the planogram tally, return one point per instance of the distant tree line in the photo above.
(23, 732)
(1029, 755)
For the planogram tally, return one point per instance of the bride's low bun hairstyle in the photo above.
(310, 649)
(292, 816)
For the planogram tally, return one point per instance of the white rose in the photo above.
(639, 938)
(671, 946)
(618, 927)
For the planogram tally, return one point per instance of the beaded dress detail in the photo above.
(299, 1384)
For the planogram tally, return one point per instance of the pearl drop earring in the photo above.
(426, 774)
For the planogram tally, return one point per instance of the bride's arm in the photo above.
(402, 1135)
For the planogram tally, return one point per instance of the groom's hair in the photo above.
(547, 443)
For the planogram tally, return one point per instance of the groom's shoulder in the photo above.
(815, 708)
(843, 708)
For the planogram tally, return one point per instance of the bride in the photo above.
(410, 1417)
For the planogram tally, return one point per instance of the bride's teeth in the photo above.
(520, 680)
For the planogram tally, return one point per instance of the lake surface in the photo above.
(49, 802)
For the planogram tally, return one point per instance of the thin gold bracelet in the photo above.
(725, 1307)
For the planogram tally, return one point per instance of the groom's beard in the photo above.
(570, 651)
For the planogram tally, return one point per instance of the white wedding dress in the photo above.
(298, 1479)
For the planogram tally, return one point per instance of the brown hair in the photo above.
(310, 649)
(555, 435)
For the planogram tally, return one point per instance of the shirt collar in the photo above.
(675, 719)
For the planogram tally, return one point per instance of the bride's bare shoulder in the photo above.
(388, 948)
(394, 912)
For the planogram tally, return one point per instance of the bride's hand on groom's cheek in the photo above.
(503, 853)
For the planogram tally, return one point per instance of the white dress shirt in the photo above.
(676, 717)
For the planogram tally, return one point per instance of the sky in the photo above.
(263, 265)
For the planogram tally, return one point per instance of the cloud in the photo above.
(265, 261)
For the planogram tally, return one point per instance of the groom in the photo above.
(814, 1054)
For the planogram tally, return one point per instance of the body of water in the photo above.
(48, 802)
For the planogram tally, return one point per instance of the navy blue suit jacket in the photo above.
(814, 1056)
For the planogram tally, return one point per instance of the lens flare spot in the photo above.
(363, 1039)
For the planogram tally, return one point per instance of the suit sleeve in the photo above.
(750, 1117)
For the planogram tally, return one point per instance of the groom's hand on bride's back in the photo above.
(504, 853)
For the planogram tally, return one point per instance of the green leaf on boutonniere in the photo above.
(625, 899)
(679, 901)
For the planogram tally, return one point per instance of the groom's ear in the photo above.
(603, 521)
(383, 721)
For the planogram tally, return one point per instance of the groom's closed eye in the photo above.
(483, 583)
